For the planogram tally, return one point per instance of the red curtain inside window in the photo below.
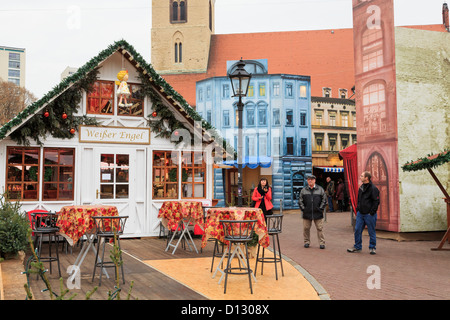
(349, 157)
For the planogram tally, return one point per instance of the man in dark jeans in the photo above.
(366, 213)
(312, 202)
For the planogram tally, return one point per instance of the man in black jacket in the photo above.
(312, 202)
(366, 213)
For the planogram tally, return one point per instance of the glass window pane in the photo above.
(50, 174)
(14, 191)
(51, 156)
(31, 156)
(50, 191)
(122, 191)
(65, 174)
(107, 191)
(30, 192)
(31, 173)
(66, 191)
(15, 173)
(15, 155)
(66, 157)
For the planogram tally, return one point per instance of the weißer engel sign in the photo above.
(94, 134)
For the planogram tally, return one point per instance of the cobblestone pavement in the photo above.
(406, 270)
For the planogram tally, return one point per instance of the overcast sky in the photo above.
(62, 33)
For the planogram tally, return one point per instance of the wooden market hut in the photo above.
(78, 146)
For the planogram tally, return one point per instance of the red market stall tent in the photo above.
(350, 159)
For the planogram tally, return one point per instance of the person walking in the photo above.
(366, 213)
(312, 201)
(330, 193)
(340, 195)
(262, 195)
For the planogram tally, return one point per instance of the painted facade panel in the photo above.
(276, 124)
(422, 59)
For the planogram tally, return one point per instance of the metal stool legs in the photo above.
(216, 252)
(50, 258)
(274, 227)
(108, 264)
(275, 259)
(244, 269)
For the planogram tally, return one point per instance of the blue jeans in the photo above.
(330, 204)
(363, 220)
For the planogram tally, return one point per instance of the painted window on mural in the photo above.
(303, 91)
(290, 146)
(372, 41)
(289, 117)
(276, 117)
(100, 100)
(374, 108)
(226, 118)
(380, 177)
(303, 146)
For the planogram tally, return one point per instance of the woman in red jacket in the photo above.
(263, 192)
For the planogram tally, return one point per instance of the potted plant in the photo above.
(14, 226)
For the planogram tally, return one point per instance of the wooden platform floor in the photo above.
(149, 284)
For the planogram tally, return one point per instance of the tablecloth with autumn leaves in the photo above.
(214, 229)
(172, 212)
(76, 221)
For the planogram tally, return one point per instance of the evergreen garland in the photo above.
(429, 162)
(66, 103)
(68, 92)
(164, 115)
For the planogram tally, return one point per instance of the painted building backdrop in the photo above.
(277, 128)
(402, 112)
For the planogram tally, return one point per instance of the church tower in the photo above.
(181, 35)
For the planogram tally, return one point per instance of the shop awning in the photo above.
(331, 169)
(251, 162)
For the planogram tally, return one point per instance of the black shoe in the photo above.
(322, 246)
(306, 245)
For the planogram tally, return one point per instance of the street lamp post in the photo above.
(240, 80)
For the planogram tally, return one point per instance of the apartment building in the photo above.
(12, 65)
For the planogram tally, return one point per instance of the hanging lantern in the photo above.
(64, 116)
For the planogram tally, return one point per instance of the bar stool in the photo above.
(238, 232)
(43, 223)
(106, 228)
(274, 225)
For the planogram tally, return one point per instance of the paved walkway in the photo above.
(401, 270)
(406, 269)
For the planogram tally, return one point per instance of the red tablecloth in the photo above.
(172, 212)
(75, 221)
(214, 229)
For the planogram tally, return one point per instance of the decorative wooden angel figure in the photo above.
(123, 92)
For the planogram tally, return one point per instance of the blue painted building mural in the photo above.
(276, 123)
